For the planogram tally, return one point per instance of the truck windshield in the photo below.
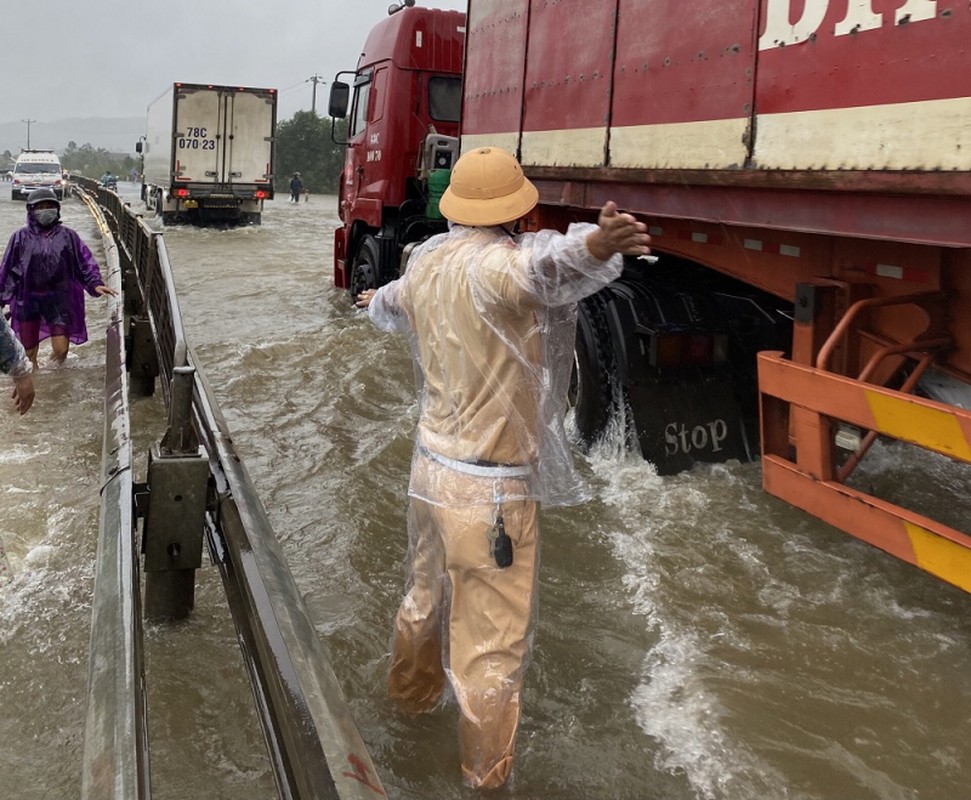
(444, 98)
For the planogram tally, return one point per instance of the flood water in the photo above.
(696, 639)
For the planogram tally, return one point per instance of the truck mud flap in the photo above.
(218, 212)
(680, 424)
(683, 364)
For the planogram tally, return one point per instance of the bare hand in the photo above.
(364, 298)
(618, 233)
(103, 290)
(23, 393)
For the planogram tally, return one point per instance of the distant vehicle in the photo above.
(208, 154)
(36, 169)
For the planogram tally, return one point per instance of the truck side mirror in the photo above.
(340, 94)
(138, 147)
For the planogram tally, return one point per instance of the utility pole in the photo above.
(28, 121)
(315, 79)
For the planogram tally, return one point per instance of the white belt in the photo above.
(478, 470)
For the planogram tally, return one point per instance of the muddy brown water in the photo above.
(696, 639)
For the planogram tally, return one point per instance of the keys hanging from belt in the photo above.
(500, 545)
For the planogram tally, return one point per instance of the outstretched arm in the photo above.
(23, 393)
(364, 298)
(563, 268)
(618, 233)
(89, 271)
(14, 361)
(383, 307)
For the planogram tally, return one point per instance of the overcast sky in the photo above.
(110, 58)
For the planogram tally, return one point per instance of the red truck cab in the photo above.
(403, 124)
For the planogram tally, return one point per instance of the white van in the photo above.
(35, 169)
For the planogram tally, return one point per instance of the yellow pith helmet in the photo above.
(487, 187)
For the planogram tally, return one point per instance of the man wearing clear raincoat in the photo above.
(491, 316)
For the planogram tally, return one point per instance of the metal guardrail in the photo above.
(313, 743)
(115, 735)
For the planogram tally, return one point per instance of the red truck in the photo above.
(403, 130)
(804, 167)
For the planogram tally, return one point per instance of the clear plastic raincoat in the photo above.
(491, 320)
(13, 358)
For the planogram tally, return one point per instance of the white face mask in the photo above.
(46, 216)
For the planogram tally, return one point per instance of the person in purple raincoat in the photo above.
(46, 270)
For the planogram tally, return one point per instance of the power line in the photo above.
(291, 88)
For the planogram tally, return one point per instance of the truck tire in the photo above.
(366, 268)
(594, 392)
(165, 217)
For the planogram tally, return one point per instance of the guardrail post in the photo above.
(178, 480)
(142, 357)
(130, 290)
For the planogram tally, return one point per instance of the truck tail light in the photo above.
(260, 194)
(181, 192)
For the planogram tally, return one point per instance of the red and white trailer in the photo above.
(805, 170)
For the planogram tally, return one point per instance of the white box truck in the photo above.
(208, 154)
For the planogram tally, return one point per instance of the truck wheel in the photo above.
(165, 217)
(594, 393)
(367, 267)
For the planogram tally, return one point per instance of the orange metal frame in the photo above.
(800, 405)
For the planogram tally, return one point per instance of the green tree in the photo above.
(85, 160)
(304, 145)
